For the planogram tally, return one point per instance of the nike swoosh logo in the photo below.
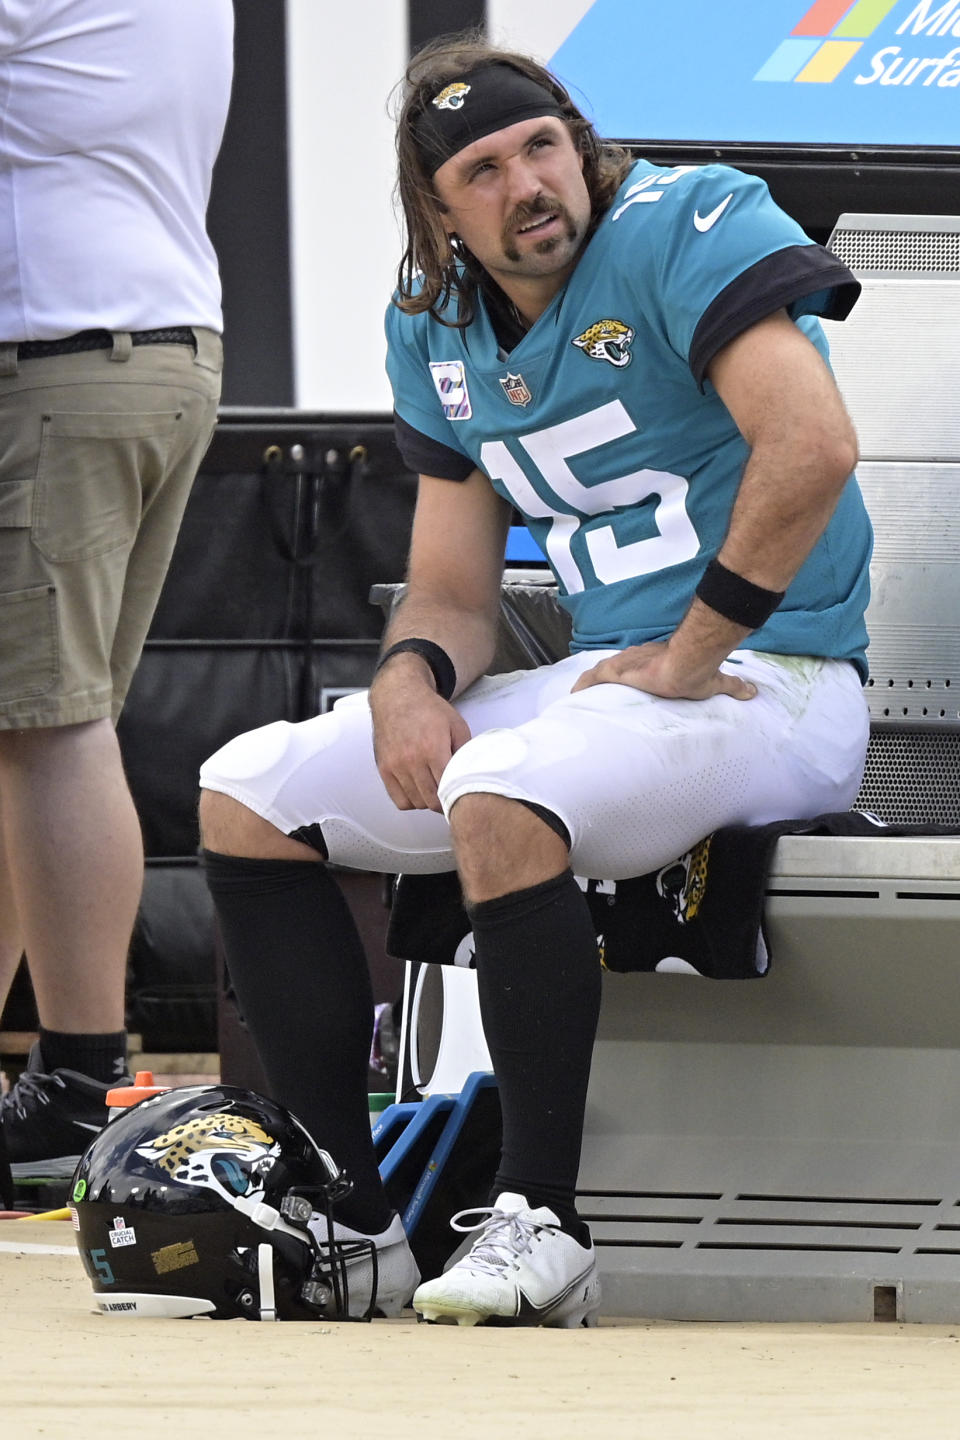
(82, 1125)
(707, 222)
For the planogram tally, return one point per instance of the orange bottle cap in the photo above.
(141, 1089)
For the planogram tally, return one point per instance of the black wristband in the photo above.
(735, 598)
(444, 675)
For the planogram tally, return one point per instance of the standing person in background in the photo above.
(631, 357)
(110, 370)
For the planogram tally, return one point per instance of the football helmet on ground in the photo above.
(199, 1201)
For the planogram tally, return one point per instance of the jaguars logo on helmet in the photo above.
(608, 340)
(219, 1151)
(226, 1203)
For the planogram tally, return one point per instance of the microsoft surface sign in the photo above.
(848, 72)
(833, 33)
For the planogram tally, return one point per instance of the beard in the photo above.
(524, 214)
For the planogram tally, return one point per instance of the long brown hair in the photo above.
(435, 269)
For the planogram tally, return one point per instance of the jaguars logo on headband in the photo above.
(217, 1151)
(608, 340)
(452, 96)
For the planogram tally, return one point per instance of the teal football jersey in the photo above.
(600, 427)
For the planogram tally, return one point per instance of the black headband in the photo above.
(478, 103)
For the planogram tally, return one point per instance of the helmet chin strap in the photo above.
(268, 1299)
(266, 1216)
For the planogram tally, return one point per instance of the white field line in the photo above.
(16, 1247)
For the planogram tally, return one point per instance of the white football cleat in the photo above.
(522, 1269)
(397, 1272)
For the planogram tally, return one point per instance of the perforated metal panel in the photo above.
(871, 251)
(912, 777)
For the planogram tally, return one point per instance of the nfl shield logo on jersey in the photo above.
(515, 389)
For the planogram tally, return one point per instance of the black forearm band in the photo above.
(444, 675)
(735, 598)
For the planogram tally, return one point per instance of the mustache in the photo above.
(531, 209)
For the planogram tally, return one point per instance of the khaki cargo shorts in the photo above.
(98, 451)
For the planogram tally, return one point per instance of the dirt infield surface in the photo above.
(68, 1373)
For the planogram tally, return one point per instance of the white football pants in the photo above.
(636, 780)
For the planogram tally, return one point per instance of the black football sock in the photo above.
(300, 974)
(538, 976)
(100, 1057)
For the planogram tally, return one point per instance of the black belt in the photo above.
(101, 340)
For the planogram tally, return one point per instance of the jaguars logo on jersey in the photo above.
(452, 96)
(608, 340)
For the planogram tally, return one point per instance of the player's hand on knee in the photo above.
(415, 733)
(653, 669)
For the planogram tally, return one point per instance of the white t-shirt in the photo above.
(111, 116)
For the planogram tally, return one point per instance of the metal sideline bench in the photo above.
(790, 1149)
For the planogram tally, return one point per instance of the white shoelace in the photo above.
(505, 1236)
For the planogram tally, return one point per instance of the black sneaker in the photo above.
(49, 1120)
